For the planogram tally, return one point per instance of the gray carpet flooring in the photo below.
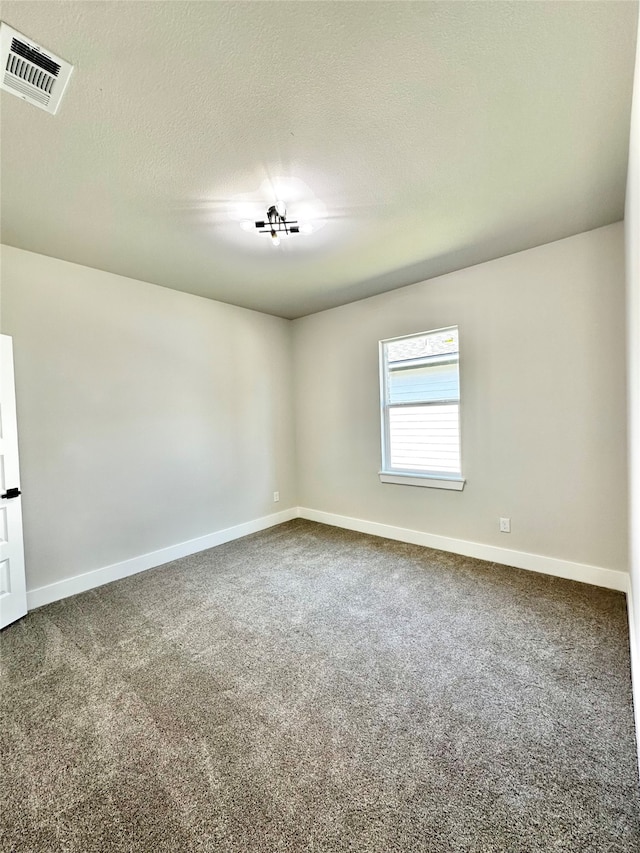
(312, 689)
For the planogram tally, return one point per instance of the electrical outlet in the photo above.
(505, 525)
(276, 497)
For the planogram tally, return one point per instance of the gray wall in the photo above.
(542, 343)
(146, 417)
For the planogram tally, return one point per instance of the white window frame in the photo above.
(408, 477)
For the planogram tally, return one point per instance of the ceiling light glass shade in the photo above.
(275, 239)
(306, 228)
(248, 225)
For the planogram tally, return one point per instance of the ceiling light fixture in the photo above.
(277, 223)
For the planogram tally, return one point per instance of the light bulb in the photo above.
(248, 225)
(275, 238)
(306, 228)
(281, 208)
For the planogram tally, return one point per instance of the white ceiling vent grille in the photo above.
(30, 72)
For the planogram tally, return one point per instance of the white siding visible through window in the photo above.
(420, 399)
(425, 439)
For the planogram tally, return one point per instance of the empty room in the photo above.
(320, 426)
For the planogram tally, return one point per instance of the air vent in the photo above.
(30, 72)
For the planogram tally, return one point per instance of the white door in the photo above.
(13, 593)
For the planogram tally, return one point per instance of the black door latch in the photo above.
(11, 493)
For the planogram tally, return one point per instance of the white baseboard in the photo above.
(99, 577)
(534, 562)
(596, 575)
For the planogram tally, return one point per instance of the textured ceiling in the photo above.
(436, 134)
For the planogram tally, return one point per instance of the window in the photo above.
(420, 390)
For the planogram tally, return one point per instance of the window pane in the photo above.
(421, 346)
(425, 438)
(423, 383)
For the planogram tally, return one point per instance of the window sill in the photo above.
(429, 481)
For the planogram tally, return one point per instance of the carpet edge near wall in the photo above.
(595, 575)
(116, 571)
(567, 569)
